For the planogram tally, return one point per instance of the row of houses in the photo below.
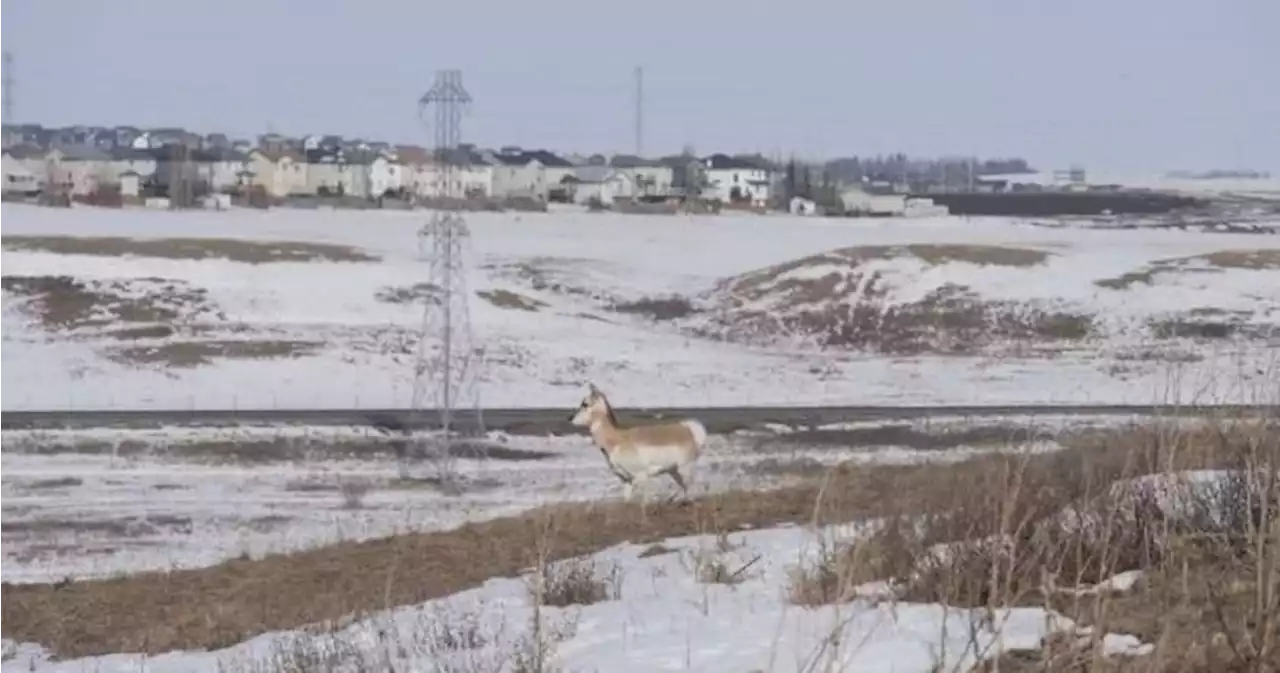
(407, 172)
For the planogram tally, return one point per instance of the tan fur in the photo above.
(639, 453)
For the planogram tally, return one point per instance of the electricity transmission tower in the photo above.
(447, 363)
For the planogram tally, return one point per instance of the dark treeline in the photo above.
(901, 168)
(822, 182)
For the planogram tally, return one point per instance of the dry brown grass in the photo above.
(1213, 262)
(845, 307)
(657, 308)
(197, 353)
(228, 603)
(217, 606)
(511, 300)
(66, 303)
(408, 294)
(1030, 530)
(235, 250)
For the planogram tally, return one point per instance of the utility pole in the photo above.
(639, 111)
(8, 87)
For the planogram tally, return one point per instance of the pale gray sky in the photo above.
(1113, 84)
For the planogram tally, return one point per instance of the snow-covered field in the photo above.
(662, 618)
(79, 504)
(1067, 316)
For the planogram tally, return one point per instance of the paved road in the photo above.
(541, 421)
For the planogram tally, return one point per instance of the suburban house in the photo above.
(734, 180)
(650, 176)
(600, 183)
(337, 172)
(130, 184)
(385, 174)
(518, 174)
(280, 171)
(80, 169)
(126, 158)
(30, 157)
(225, 169)
(554, 167)
(413, 162)
(325, 172)
(473, 176)
(19, 178)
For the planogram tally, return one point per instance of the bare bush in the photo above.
(579, 581)
(1195, 511)
(712, 567)
(353, 493)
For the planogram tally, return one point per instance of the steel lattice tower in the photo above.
(447, 364)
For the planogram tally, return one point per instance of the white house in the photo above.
(340, 172)
(130, 184)
(18, 178)
(473, 179)
(601, 183)
(517, 174)
(651, 178)
(224, 168)
(733, 180)
(385, 175)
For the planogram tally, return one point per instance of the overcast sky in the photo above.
(1111, 84)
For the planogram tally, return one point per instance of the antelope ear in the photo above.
(592, 388)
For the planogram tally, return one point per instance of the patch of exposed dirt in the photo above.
(841, 299)
(197, 353)
(57, 482)
(282, 449)
(511, 300)
(124, 527)
(903, 434)
(66, 303)
(235, 250)
(658, 308)
(557, 275)
(1213, 262)
(147, 332)
(409, 294)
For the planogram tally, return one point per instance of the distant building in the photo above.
(733, 180)
(600, 183)
(19, 178)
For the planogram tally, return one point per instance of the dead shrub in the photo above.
(1025, 524)
(885, 554)
(353, 493)
(577, 581)
(711, 567)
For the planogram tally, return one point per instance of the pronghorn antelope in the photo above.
(638, 453)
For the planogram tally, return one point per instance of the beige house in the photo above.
(281, 172)
(80, 170)
(19, 178)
